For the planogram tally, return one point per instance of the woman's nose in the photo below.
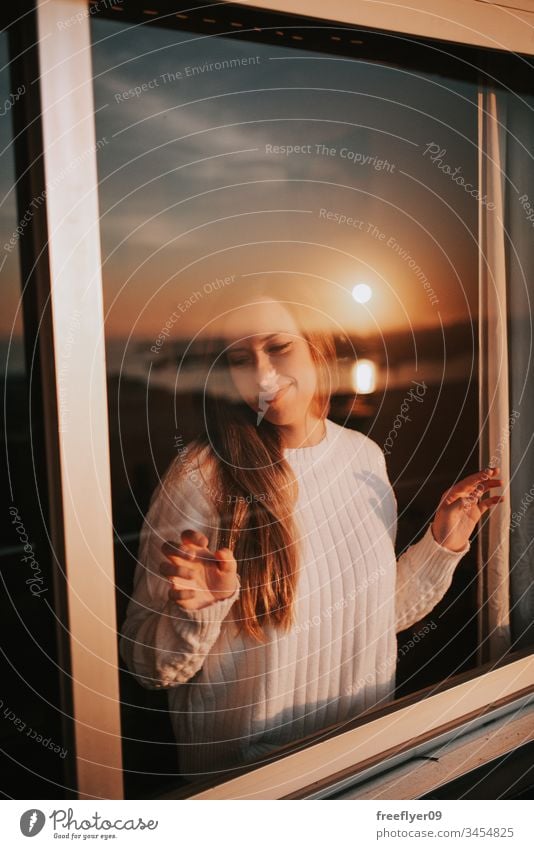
(264, 371)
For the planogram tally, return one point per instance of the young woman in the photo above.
(267, 595)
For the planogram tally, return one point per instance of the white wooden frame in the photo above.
(478, 22)
(66, 89)
(351, 750)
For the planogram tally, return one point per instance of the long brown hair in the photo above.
(256, 486)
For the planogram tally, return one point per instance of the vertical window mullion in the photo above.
(69, 146)
(494, 409)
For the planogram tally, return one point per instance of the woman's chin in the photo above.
(279, 416)
(279, 411)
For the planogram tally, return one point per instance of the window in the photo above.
(298, 157)
(200, 125)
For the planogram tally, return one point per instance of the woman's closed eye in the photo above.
(280, 349)
(277, 350)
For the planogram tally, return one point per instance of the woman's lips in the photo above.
(267, 399)
(278, 395)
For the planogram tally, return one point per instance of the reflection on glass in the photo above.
(291, 306)
(364, 377)
(31, 732)
(283, 597)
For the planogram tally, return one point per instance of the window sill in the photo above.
(333, 760)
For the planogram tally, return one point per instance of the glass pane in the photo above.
(519, 222)
(32, 733)
(343, 191)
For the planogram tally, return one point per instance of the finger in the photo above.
(226, 560)
(484, 486)
(487, 503)
(490, 472)
(179, 576)
(205, 556)
(487, 484)
(175, 550)
(190, 553)
(180, 570)
(467, 485)
(195, 537)
(181, 595)
(182, 584)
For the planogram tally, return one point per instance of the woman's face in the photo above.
(270, 362)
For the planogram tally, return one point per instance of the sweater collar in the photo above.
(310, 453)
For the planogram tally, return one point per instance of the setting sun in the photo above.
(362, 293)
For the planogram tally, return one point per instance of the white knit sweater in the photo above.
(232, 699)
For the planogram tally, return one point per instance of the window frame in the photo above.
(85, 540)
(331, 761)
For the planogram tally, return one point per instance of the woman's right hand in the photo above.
(198, 576)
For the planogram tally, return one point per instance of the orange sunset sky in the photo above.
(249, 171)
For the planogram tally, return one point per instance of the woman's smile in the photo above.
(281, 392)
(266, 398)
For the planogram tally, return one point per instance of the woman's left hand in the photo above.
(462, 506)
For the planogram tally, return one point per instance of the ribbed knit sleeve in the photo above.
(162, 644)
(424, 571)
(424, 574)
